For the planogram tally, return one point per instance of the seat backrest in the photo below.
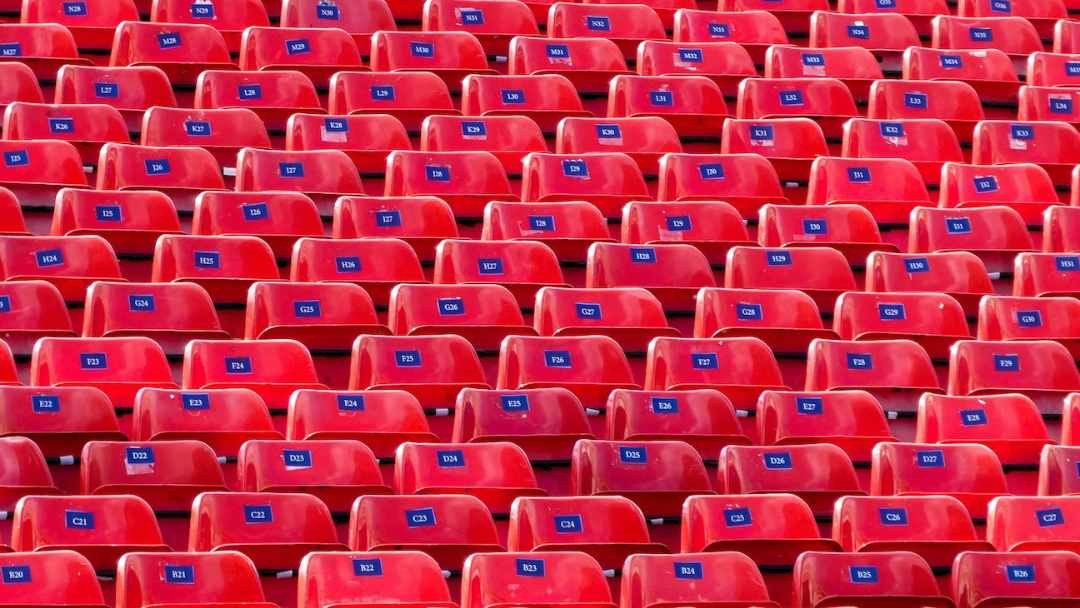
(862, 522)
(1031, 9)
(313, 171)
(650, 581)
(963, 471)
(853, 420)
(1061, 225)
(1057, 471)
(779, 138)
(238, 362)
(972, 229)
(606, 467)
(945, 100)
(1053, 69)
(745, 180)
(124, 88)
(917, 140)
(371, 578)
(865, 315)
(548, 223)
(1010, 424)
(140, 43)
(1040, 274)
(23, 470)
(426, 309)
(19, 83)
(452, 50)
(695, 221)
(878, 31)
(365, 92)
(100, 362)
(482, 94)
(508, 137)
(75, 123)
(1012, 318)
(82, 14)
(712, 523)
(810, 470)
(632, 22)
(57, 578)
(39, 40)
(1043, 143)
(634, 136)
(41, 162)
(411, 362)
(571, 310)
(563, 522)
(548, 177)
(776, 97)
(1049, 103)
(957, 272)
(1026, 523)
(1040, 365)
(59, 420)
(657, 266)
(842, 180)
(987, 578)
(409, 218)
(536, 55)
(679, 363)
(665, 96)
(122, 167)
(267, 47)
(222, 418)
(381, 419)
(842, 364)
(335, 470)
(235, 16)
(502, 17)
(231, 128)
(354, 260)
(166, 474)
(783, 225)
(149, 579)
(804, 268)
(213, 262)
(552, 579)
(968, 65)
(33, 307)
(446, 174)
(495, 472)
(256, 90)
(1013, 35)
(577, 362)
(310, 312)
(744, 27)
(502, 261)
(274, 214)
(720, 310)
(360, 19)
(825, 578)
(727, 60)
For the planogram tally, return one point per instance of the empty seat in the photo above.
(30, 310)
(869, 366)
(988, 579)
(1014, 35)
(523, 267)
(1045, 274)
(449, 55)
(790, 144)
(672, 272)
(1029, 523)
(381, 419)
(989, 71)
(528, 579)
(850, 229)
(421, 221)
(169, 313)
(322, 174)
(432, 368)
(278, 218)
(509, 138)
(359, 19)
(52, 578)
(101, 528)
(1051, 145)
(589, 366)
(1049, 103)
(229, 19)
(1041, 14)
(117, 366)
(568, 228)
(1007, 319)
(746, 181)
(609, 528)
(408, 96)
(956, 103)
(1061, 225)
(465, 180)
(272, 94)
(223, 265)
(447, 527)
(545, 98)
(729, 578)
(43, 47)
(87, 127)
(741, 368)
(316, 52)
(933, 320)
(969, 473)
(852, 420)
(179, 172)
(35, 170)
(936, 528)
(91, 23)
(694, 105)
(325, 317)
(588, 63)
(181, 50)
(271, 368)
(794, 14)
(959, 274)
(712, 227)
(163, 579)
(885, 34)
(818, 474)
(372, 579)
(274, 530)
(130, 220)
(366, 139)
(726, 63)
(625, 25)
(888, 187)
(1052, 70)
(545, 422)
(484, 314)
(927, 143)
(1058, 471)
(827, 100)
(608, 180)
(630, 316)
(820, 272)
(995, 234)
(644, 139)
(901, 578)
(375, 264)
(1040, 369)
(223, 419)
(59, 421)
(222, 132)
(1008, 424)
(704, 418)
(492, 23)
(131, 90)
(785, 319)
(754, 30)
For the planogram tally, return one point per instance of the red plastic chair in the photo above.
(897, 578)
(1042, 15)
(890, 188)
(995, 234)
(659, 580)
(131, 90)
(449, 55)
(87, 127)
(229, 19)
(130, 220)
(1057, 471)
(872, 366)
(35, 170)
(1003, 318)
(181, 50)
(1041, 369)
(790, 144)
(1049, 103)
(322, 174)
(318, 53)
(589, 366)
(545, 98)
(272, 94)
(1052, 69)
(222, 132)
(919, 12)
(1008, 424)
(91, 22)
(746, 181)
(354, 261)
(1044, 274)
(705, 419)
(568, 228)
(178, 172)
(381, 420)
(630, 316)
(818, 474)
(433, 368)
(74, 416)
(608, 180)
(989, 579)
(935, 321)
(625, 25)
(956, 103)
(32, 309)
(883, 33)
(359, 19)
(959, 274)
(544, 422)
(671, 272)
(726, 63)
(324, 317)
(927, 143)
(970, 473)
(225, 266)
(713, 227)
(1051, 145)
(988, 70)
(588, 63)
(408, 96)
(754, 30)
(526, 579)
(465, 180)
(59, 578)
(156, 579)
(1029, 523)
(223, 419)
(827, 100)
(278, 218)
(852, 420)
(1013, 35)
(421, 221)
(850, 229)
(483, 314)
(853, 65)
(694, 105)
(509, 138)
(644, 139)
(494, 24)
(820, 272)
(371, 579)
(794, 14)
(273, 369)
(523, 267)
(785, 319)
(70, 263)
(117, 366)
(741, 368)
(43, 47)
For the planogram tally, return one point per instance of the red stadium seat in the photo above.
(35, 170)
(970, 473)
(726, 63)
(992, 579)
(19, 84)
(404, 578)
(818, 474)
(274, 530)
(321, 174)
(607, 180)
(1066, 35)
(890, 196)
(31, 310)
(12, 221)
(933, 320)
(746, 181)
(771, 529)
(705, 419)
(754, 30)
(851, 420)
(59, 578)
(1041, 369)
(132, 90)
(169, 313)
(694, 105)
(712, 227)
(1053, 70)
(354, 261)
(181, 50)
(433, 368)
(885, 34)
(272, 94)
(167, 579)
(316, 52)
(70, 263)
(989, 71)
(1061, 227)
(278, 218)
(1008, 319)
(1058, 471)
(729, 579)
(609, 528)
(130, 220)
(856, 67)
(820, 272)
(523, 267)
(785, 319)
(271, 368)
(1015, 36)
(870, 366)
(919, 12)
(381, 419)
(408, 96)
(87, 127)
(1049, 103)
(794, 14)
(59, 421)
(630, 316)
(43, 47)
(223, 419)
(625, 25)
(588, 63)
(483, 314)
(850, 229)
(359, 19)
(567, 228)
(25, 472)
(790, 144)
(420, 221)
(496, 473)
(589, 366)
(1029, 523)
(959, 274)
(936, 528)
(995, 234)
(897, 578)
(956, 103)
(557, 579)
(826, 100)
(449, 528)
(449, 55)
(223, 265)
(494, 24)
(1045, 274)
(91, 22)
(925, 143)
(228, 18)
(672, 272)
(334, 471)
(1025, 187)
(741, 368)
(101, 528)
(1041, 14)
(509, 138)
(325, 317)
(179, 172)
(545, 98)
(1052, 145)
(544, 422)
(1010, 424)
(465, 180)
